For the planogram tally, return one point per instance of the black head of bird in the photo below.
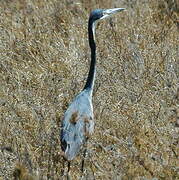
(103, 13)
(97, 15)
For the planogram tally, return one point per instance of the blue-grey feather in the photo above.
(73, 135)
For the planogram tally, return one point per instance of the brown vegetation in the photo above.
(21, 173)
(44, 62)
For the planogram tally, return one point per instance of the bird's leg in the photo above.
(84, 155)
(68, 173)
(68, 166)
(83, 160)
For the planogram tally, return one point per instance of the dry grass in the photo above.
(43, 64)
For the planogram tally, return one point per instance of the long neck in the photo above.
(91, 75)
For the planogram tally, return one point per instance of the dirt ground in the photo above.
(44, 61)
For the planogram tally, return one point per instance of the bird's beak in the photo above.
(108, 12)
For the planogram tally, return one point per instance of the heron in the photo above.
(78, 121)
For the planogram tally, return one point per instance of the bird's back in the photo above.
(77, 124)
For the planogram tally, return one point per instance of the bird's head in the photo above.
(98, 14)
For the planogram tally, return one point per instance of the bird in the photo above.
(78, 122)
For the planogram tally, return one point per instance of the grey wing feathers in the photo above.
(77, 125)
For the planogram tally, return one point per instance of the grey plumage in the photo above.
(77, 124)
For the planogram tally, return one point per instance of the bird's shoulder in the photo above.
(83, 95)
(80, 107)
(81, 101)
